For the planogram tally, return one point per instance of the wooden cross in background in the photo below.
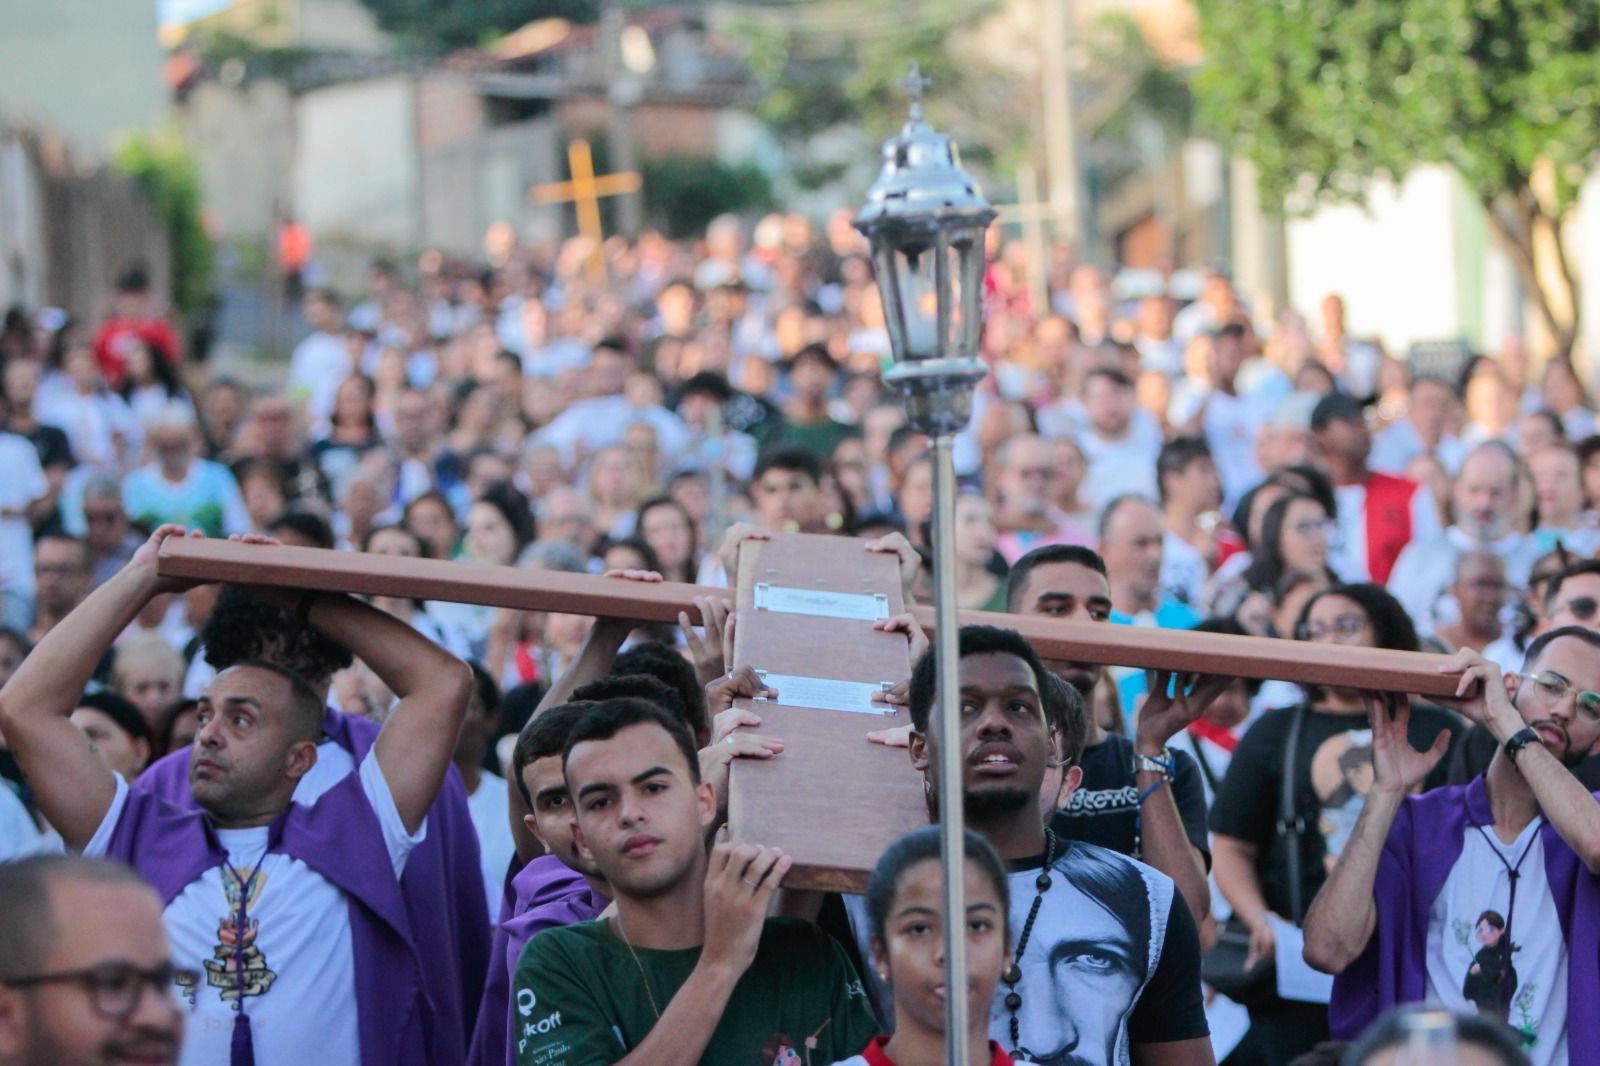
(584, 191)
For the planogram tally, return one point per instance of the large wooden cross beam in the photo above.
(544, 590)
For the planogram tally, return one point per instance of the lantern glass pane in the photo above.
(967, 247)
(886, 266)
(919, 298)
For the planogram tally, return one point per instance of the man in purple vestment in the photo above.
(441, 890)
(555, 889)
(1484, 897)
(290, 915)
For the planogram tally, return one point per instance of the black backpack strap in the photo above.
(1290, 824)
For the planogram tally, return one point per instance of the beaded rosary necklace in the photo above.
(1013, 975)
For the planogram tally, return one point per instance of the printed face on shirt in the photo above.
(114, 1017)
(639, 813)
(1548, 697)
(1085, 961)
(912, 950)
(552, 819)
(1073, 592)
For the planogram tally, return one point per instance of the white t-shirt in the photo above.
(22, 483)
(1466, 922)
(320, 362)
(19, 837)
(490, 807)
(1183, 570)
(1230, 425)
(299, 958)
(1120, 467)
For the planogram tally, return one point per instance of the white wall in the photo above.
(1392, 261)
(87, 69)
(356, 162)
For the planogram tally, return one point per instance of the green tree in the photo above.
(1325, 95)
(684, 194)
(831, 62)
(161, 164)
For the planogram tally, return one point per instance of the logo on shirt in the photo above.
(525, 1001)
(237, 966)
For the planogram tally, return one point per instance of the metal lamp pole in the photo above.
(925, 219)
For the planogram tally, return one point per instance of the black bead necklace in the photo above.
(1013, 975)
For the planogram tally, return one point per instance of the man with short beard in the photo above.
(1484, 501)
(294, 911)
(86, 974)
(1482, 897)
(1107, 960)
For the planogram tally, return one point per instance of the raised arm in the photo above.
(1166, 845)
(414, 747)
(1568, 806)
(1344, 914)
(72, 784)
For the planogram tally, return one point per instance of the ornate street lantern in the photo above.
(925, 219)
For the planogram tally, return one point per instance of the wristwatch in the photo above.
(1519, 740)
(1153, 764)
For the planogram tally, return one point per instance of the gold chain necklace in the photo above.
(644, 978)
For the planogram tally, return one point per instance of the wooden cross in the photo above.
(584, 191)
(814, 802)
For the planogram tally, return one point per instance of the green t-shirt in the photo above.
(580, 999)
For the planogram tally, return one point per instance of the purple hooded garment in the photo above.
(1421, 850)
(339, 837)
(442, 891)
(545, 894)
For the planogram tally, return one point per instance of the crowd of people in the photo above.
(400, 831)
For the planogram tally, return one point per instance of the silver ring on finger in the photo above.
(749, 882)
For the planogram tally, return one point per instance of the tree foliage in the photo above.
(1325, 95)
(820, 65)
(162, 166)
(683, 194)
(441, 25)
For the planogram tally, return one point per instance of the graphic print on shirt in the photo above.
(780, 1049)
(1341, 774)
(237, 966)
(1491, 979)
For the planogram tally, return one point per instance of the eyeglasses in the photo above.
(1582, 607)
(1554, 687)
(1346, 625)
(116, 988)
(1310, 527)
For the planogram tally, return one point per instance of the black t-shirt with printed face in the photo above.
(1333, 772)
(1102, 809)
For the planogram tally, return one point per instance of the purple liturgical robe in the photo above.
(545, 894)
(338, 837)
(442, 892)
(1421, 850)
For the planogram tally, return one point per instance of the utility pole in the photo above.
(1062, 183)
(624, 88)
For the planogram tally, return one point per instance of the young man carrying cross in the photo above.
(690, 969)
(1106, 958)
(292, 914)
(1484, 896)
